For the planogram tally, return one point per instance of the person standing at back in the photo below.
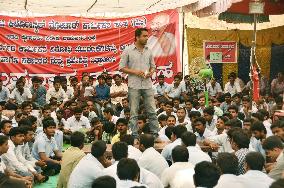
(138, 62)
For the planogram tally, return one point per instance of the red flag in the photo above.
(255, 80)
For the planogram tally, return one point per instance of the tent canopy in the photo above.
(103, 8)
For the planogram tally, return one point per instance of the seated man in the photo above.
(20, 94)
(176, 135)
(102, 98)
(90, 167)
(45, 148)
(180, 162)
(254, 177)
(109, 115)
(273, 147)
(12, 158)
(56, 92)
(206, 174)
(120, 151)
(133, 152)
(228, 164)
(77, 122)
(12, 179)
(71, 157)
(5, 127)
(201, 131)
(104, 182)
(24, 151)
(117, 92)
(151, 159)
(128, 172)
(196, 155)
(122, 129)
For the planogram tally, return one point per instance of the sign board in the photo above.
(220, 51)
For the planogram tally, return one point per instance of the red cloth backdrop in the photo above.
(68, 46)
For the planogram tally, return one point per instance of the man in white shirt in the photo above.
(228, 164)
(180, 162)
(77, 121)
(182, 120)
(128, 172)
(196, 155)
(56, 92)
(20, 93)
(109, 115)
(254, 177)
(232, 86)
(201, 131)
(171, 122)
(214, 88)
(118, 91)
(89, 168)
(12, 158)
(133, 152)
(174, 90)
(151, 159)
(211, 120)
(87, 112)
(67, 89)
(176, 136)
(14, 179)
(120, 151)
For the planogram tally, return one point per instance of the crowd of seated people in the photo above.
(244, 138)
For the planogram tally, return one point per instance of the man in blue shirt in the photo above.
(102, 98)
(45, 148)
(38, 91)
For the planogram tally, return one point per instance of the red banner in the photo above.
(220, 51)
(68, 46)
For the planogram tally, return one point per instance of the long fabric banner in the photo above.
(69, 46)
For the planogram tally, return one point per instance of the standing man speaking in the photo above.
(138, 62)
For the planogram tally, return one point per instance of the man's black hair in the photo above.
(127, 139)
(119, 150)
(228, 163)
(272, 142)
(104, 182)
(180, 154)
(147, 140)
(206, 174)
(98, 148)
(188, 139)
(255, 161)
(3, 139)
(138, 32)
(16, 130)
(258, 126)
(109, 110)
(127, 169)
(179, 130)
(3, 122)
(77, 139)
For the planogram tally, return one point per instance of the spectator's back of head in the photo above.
(127, 139)
(179, 130)
(128, 169)
(228, 163)
(104, 182)
(188, 139)
(169, 132)
(241, 139)
(98, 148)
(180, 154)
(206, 174)
(272, 142)
(147, 140)
(77, 139)
(119, 150)
(255, 161)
